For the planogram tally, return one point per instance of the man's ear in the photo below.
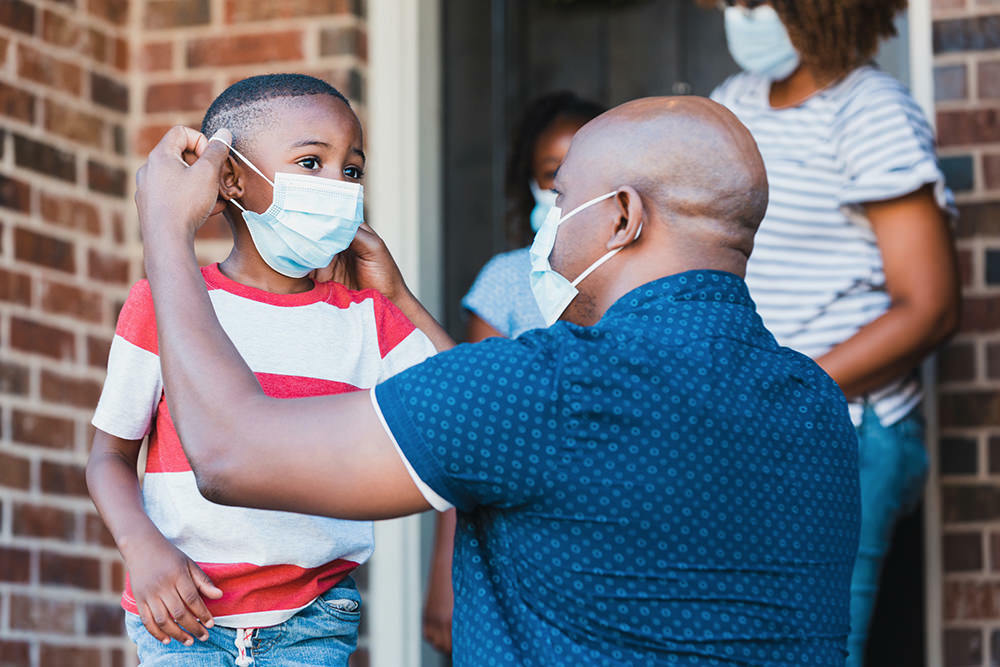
(630, 216)
(231, 179)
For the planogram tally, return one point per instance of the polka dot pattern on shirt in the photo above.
(666, 487)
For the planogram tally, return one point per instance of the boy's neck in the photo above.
(245, 266)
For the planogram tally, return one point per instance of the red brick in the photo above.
(108, 92)
(157, 56)
(35, 429)
(76, 571)
(344, 41)
(15, 473)
(114, 11)
(14, 379)
(993, 361)
(63, 299)
(17, 15)
(38, 338)
(63, 479)
(108, 268)
(42, 615)
(978, 219)
(15, 194)
(41, 68)
(238, 11)
(963, 552)
(106, 179)
(991, 171)
(95, 45)
(970, 600)
(74, 124)
(70, 212)
(3, 50)
(245, 49)
(179, 96)
(969, 409)
(148, 136)
(63, 389)
(948, 4)
(15, 565)
(60, 30)
(16, 103)
(43, 521)
(96, 533)
(118, 228)
(70, 656)
(951, 82)
(97, 352)
(989, 79)
(956, 362)
(971, 127)
(104, 620)
(963, 646)
(14, 653)
(980, 314)
(44, 158)
(117, 576)
(15, 287)
(176, 13)
(30, 246)
(118, 55)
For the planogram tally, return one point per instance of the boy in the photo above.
(249, 582)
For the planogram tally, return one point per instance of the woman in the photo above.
(500, 302)
(853, 264)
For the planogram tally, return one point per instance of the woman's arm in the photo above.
(922, 280)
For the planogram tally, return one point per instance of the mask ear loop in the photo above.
(248, 163)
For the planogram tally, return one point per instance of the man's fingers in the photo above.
(205, 585)
(177, 141)
(214, 153)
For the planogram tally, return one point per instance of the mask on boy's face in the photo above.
(310, 220)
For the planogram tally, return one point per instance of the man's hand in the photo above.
(173, 198)
(168, 588)
(366, 264)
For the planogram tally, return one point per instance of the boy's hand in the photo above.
(366, 264)
(168, 588)
(175, 197)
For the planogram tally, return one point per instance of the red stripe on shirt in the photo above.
(249, 588)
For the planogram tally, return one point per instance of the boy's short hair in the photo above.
(243, 105)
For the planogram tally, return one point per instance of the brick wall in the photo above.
(86, 87)
(967, 81)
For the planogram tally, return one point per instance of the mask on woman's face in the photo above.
(759, 42)
(544, 201)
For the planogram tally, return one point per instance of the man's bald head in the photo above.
(690, 159)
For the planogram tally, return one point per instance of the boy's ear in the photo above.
(230, 184)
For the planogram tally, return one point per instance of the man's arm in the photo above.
(324, 455)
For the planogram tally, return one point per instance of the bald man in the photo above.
(651, 480)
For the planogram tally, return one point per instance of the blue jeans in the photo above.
(893, 468)
(324, 633)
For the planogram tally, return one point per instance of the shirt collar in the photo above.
(700, 285)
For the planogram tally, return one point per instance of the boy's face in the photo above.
(316, 135)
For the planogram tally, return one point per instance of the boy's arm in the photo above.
(166, 584)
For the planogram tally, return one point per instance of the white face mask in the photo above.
(310, 220)
(759, 42)
(544, 201)
(552, 291)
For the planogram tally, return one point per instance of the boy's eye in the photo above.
(309, 163)
(353, 172)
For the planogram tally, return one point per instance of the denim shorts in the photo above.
(324, 633)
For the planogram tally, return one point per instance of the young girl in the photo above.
(853, 264)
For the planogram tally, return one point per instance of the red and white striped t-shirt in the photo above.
(328, 340)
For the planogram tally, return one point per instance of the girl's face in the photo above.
(551, 148)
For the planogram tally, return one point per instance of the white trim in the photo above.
(436, 501)
(922, 86)
(404, 188)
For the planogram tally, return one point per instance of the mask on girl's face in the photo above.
(759, 42)
(544, 201)
(552, 291)
(310, 220)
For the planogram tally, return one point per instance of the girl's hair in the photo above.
(538, 117)
(835, 36)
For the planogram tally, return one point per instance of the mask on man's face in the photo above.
(311, 219)
(759, 42)
(552, 291)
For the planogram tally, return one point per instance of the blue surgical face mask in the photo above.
(552, 291)
(310, 220)
(759, 42)
(544, 201)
